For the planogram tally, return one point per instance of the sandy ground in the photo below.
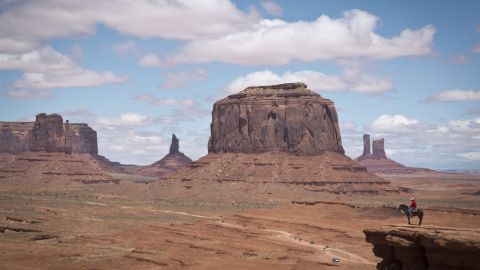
(130, 226)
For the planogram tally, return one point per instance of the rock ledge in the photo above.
(428, 247)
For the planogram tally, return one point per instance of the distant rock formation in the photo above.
(378, 149)
(170, 163)
(53, 167)
(174, 146)
(282, 134)
(377, 161)
(47, 134)
(285, 117)
(425, 248)
(51, 151)
(366, 145)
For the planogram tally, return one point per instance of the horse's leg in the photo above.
(420, 217)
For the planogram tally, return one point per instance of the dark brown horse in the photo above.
(419, 213)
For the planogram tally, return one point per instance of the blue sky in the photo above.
(138, 71)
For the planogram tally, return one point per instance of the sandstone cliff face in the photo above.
(378, 149)
(47, 134)
(285, 117)
(366, 145)
(80, 138)
(425, 248)
(15, 137)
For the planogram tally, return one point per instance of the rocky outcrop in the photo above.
(170, 163)
(15, 137)
(47, 134)
(174, 146)
(366, 145)
(378, 162)
(285, 117)
(283, 135)
(378, 149)
(425, 248)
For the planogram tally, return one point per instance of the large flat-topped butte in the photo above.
(284, 135)
(284, 117)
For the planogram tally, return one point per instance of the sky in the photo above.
(138, 71)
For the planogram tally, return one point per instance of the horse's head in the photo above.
(402, 207)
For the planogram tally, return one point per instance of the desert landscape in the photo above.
(228, 134)
(271, 205)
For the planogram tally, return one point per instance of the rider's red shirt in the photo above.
(413, 204)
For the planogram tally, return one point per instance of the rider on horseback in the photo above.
(413, 206)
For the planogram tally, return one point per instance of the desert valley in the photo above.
(275, 191)
(239, 134)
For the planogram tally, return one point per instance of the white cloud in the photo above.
(128, 119)
(183, 109)
(44, 69)
(465, 127)
(470, 155)
(29, 22)
(277, 42)
(13, 45)
(183, 78)
(126, 48)
(459, 59)
(455, 95)
(476, 49)
(394, 124)
(75, 77)
(351, 79)
(271, 7)
(131, 146)
(156, 101)
(348, 127)
(150, 60)
(28, 93)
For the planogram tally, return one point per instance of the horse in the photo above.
(419, 213)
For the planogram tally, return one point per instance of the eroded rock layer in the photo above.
(425, 248)
(329, 172)
(43, 167)
(47, 134)
(285, 117)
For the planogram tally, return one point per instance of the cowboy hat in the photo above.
(412, 199)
